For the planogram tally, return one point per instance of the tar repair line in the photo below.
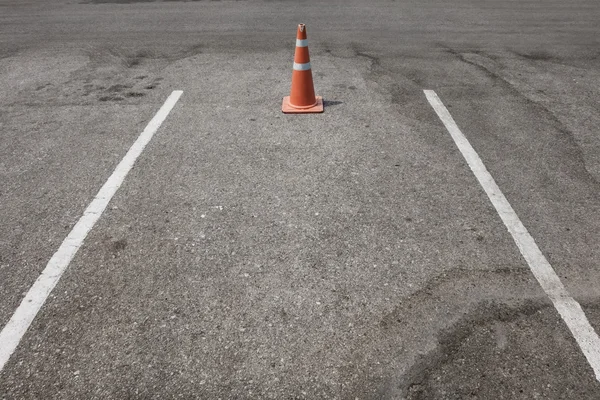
(38, 293)
(567, 307)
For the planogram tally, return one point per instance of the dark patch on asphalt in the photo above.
(191, 51)
(375, 62)
(111, 98)
(342, 86)
(138, 57)
(452, 297)
(377, 73)
(118, 88)
(496, 352)
(591, 308)
(537, 56)
(40, 87)
(154, 84)
(566, 136)
(418, 77)
(90, 88)
(8, 52)
(396, 92)
(494, 77)
(119, 245)
(135, 94)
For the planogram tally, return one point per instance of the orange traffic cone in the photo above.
(302, 98)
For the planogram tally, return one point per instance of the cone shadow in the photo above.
(327, 103)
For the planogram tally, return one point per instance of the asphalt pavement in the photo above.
(345, 255)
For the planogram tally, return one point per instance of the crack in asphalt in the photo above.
(558, 124)
(451, 339)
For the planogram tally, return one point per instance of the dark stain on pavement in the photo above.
(119, 245)
(537, 56)
(111, 98)
(374, 60)
(569, 146)
(489, 354)
(118, 88)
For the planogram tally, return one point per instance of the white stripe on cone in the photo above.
(301, 67)
(301, 42)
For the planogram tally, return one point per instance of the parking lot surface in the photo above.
(253, 254)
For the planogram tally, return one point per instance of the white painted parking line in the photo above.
(567, 307)
(38, 293)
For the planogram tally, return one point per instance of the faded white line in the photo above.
(38, 293)
(567, 307)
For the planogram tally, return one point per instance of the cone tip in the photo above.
(301, 31)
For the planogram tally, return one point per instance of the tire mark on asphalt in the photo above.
(568, 308)
(537, 104)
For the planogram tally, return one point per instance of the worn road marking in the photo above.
(567, 307)
(38, 293)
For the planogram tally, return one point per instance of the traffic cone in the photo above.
(302, 98)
